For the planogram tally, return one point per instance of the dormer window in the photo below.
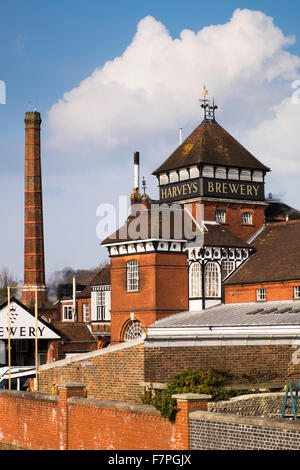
(247, 218)
(221, 216)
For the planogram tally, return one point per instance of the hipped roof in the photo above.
(210, 144)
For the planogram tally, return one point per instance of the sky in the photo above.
(112, 78)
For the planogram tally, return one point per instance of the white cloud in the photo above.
(138, 100)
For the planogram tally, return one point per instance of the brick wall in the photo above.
(163, 363)
(153, 300)
(118, 372)
(114, 373)
(47, 422)
(234, 212)
(247, 292)
(214, 431)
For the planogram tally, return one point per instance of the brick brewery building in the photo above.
(207, 274)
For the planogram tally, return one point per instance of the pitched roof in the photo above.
(77, 336)
(244, 314)
(209, 143)
(101, 278)
(277, 256)
(218, 235)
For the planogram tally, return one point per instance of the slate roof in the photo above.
(209, 143)
(244, 314)
(276, 258)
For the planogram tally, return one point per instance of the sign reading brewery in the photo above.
(212, 187)
(22, 324)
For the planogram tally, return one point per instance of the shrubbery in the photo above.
(190, 381)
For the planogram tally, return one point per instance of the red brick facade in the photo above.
(160, 274)
(234, 211)
(34, 268)
(49, 422)
(247, 292)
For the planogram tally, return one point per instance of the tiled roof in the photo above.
(277, 256)
(209, 143)
(101, 278)
(254, 313)
(77, 336)
(218, 235)
(153, 228)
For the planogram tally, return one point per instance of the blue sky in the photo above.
(48, 48)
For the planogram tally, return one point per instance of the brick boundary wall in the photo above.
(113, 373)
(69, 421)
(118, 372)
(216, 431)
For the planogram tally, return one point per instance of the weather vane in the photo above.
(209, 110)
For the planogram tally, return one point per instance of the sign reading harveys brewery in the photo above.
(212, 187)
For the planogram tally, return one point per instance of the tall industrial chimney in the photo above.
(34, 265)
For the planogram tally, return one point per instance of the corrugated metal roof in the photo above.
(246, 314)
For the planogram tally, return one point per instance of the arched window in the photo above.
(132, 273)
(195, 280)
(133, 330)
(212, 280)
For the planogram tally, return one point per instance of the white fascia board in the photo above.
(236, 331)
(144, 241)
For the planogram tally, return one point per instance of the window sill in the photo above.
(132, 291)
(261, 300)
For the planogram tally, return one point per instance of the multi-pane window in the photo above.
(227, 268)
(133, 330)
(100, 305)
(221, 216)
(261, 294)
(86, 312)
(68, 312)
(195, 280)
(247, 218)
(296, 292)
(212, 280)
(132, 276)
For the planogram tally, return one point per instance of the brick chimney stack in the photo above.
(34, 266)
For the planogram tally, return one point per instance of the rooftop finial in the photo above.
(144, 185)
(209, 110)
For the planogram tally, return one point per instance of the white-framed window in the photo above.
(100, 305)
(221, 216)
(133, 330)
(296, 292)
(195, 280)
(261, 294)
(86, 312)
(212, 280)
(67, 312)
(132, 275)
(247, 218)
(227, 268)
